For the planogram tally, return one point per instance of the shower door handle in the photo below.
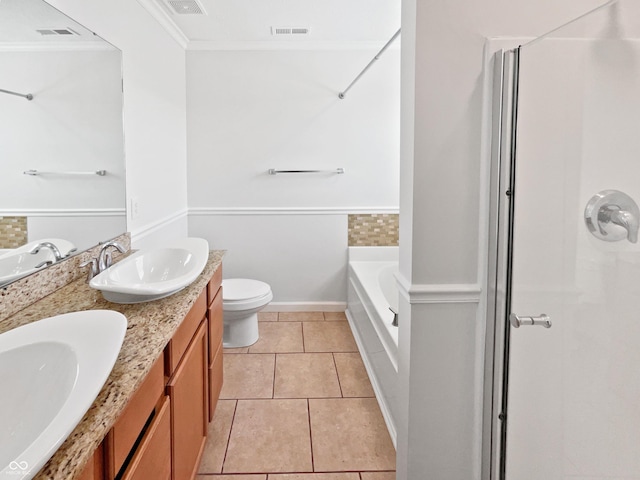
(518, 321)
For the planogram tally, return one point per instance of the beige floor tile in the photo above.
(328, 337)
(353, 377)
(301, 317)
(269, 436)
(267, 316)
(315, 476)
(217, 437)
(305, 375)
(378, 475)
(231, 477)
(236, 350)
(335, 316)
(248, 376)
(279, 337)
(349, 434)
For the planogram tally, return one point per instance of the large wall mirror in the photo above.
(62, 152)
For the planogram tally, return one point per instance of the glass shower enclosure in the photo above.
(564, 322)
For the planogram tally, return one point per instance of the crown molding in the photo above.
(165, 21)
(57, 47)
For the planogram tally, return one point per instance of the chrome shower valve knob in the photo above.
(612, 216)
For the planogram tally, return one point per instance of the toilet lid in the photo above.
(234, 289)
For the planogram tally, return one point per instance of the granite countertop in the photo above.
(150, 327)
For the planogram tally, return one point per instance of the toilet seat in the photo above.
(244, 294)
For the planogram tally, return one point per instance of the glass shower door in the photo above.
(573, 390)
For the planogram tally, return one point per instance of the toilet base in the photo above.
(240, 331)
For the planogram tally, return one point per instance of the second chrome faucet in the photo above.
(104, 259)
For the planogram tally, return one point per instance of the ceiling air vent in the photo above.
(289, 31)
(57, 31)
(186, 7)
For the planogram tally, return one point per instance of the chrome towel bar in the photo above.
(273, 171)
(34, 173)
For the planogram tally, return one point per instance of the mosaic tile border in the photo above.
(374, 230)
(13, 232)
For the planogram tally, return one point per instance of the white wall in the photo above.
(443, 224)
(249, 111)
(302, 257)
(154, 113)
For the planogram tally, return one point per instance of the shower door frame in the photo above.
(499, 268)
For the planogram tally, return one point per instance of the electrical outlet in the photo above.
(135, 208)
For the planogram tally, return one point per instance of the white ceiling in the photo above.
(250, 21)
(224, 22)
(20, 20)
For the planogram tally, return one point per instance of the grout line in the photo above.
(313, 467)
(226, 450)
(335, 365)
(273, 384)
(304, 346)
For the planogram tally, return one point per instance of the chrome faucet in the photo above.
(395, 316)
(105, 259)
(56, 252)
(92, 263)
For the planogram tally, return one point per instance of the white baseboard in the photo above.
(306, 307)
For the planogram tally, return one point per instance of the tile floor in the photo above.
(298, 405)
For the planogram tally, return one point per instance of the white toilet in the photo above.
(242, 299)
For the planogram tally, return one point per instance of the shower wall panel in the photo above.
(572, 414)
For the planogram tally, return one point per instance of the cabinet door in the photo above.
(215, 382)
(188, 389)
(153, 457)
(95, 468)
(216, 325)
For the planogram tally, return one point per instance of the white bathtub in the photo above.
(372, 290)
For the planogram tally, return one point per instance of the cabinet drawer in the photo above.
(214, 284)
(215, 325)
(123, 435)
(215, 381)
(181, 339)
(152, 460)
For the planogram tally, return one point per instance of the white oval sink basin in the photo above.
(154, 273)
(19, 262)
(18, 265)
(51, 372)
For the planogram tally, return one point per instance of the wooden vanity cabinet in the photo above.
(161, 433)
